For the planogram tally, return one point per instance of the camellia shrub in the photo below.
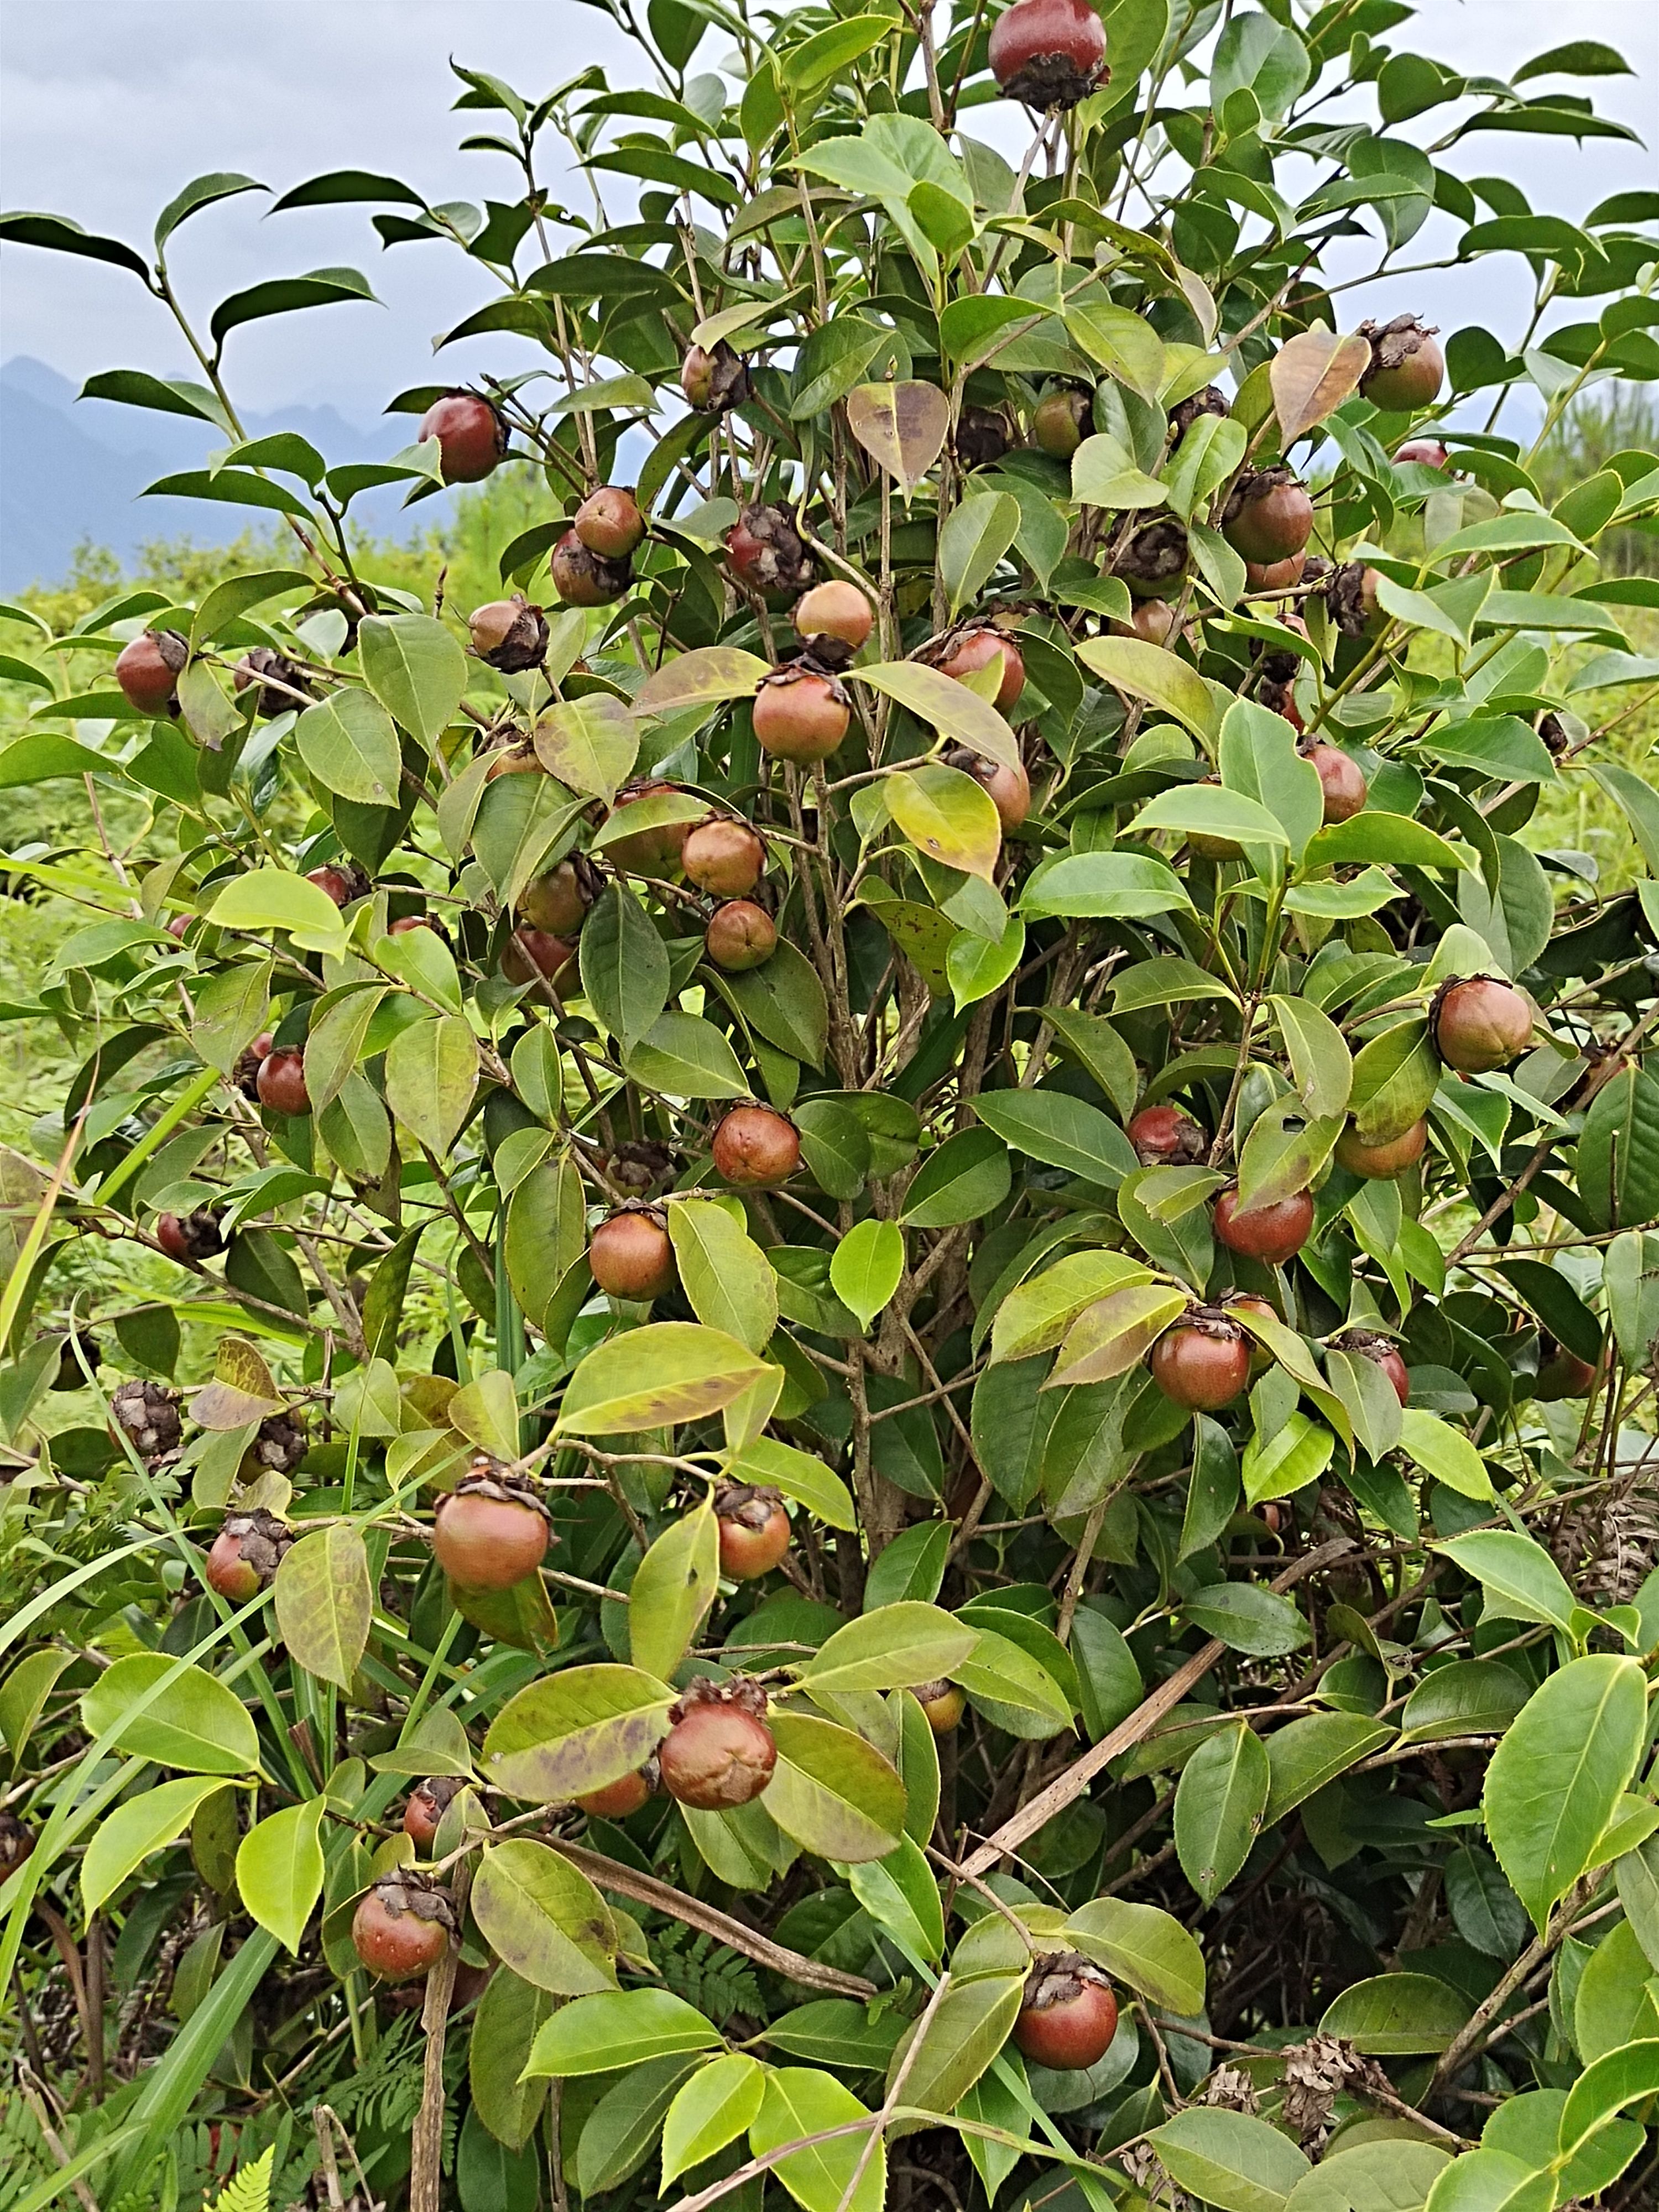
(863, 1297)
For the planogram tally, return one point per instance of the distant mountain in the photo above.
(73, 472)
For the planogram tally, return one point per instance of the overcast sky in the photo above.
(108, 105)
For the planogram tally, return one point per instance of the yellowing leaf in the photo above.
(946, 815)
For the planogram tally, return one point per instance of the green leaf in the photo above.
(1556, 1778)
(801, 2103)
(975, 536)
(684, 1056)
(673, 1587)
(832, 1792)
(1115, 1334)
(724, 1273)
(615, 2029)
(901, 1894)
(1013, 1689)
(667, 1372)
(325, 1602)
(1125, 344)
(892, 1649)
(1397, 2015)
(1145, 1948)
(1103, 885)
(1258, 759)
(1247, 1618)
(274, 898)
(1521, 1580)
(576, 1731)
(1147, 671)
(624, 963)
(1230, 2159)
(279, 1870)
(866, 1267)
(1220, 1801)
(1060, 1131)
(589, 744)
(947, 815)
(952, 709)
(349, 744)
(197, 1724)
(1305, 1755)
(1104, 474)
(1470, 1697)
(1606, 2087)
(145, 1823)
(968, 2028)
(717, 2104)
(1297, 1454)
(799, 1475)
(543, 1918)
(415, 669)
(958, 1180)
(431, 1075)
(284, 296)
(1619, 1151)
(1318, 1052)
(1446, 1453)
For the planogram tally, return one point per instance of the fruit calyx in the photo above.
(1350, 595)
(429, 1801)
(1408, 367)
(194, 1235)
(983, 437)
(1212, 400)
(147, 1412)
(509, 635)
(583, 578)
(767, 553)
(754, 1529)
(719, 1750)
(277, 677)
(1048, 53)
(714, 378)
(246, 1554)
(1154, 558)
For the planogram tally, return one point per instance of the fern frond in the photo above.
(250, 2190)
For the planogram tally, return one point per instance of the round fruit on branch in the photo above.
(1408, 367)
(471, 435)
(1048, 53)
(429, 1801)
(655, 850)
(964, 652)
(1009, 786)
(1155, 559)
(491, 1530)
(1163, 1136)
(1376, 1161)
(766, 554)
(716, 380)
(1273, 1234)
(281, 1082)
(1062, 420)
(557, 902)
(583, 578)
(754, 1529)
(981, 437)
(193, 1235)
(616, 1800)
(1203, 1362)
(245, 1555)
(837, 610)
(403, 1925)
(1561, 1373)
(509, 635)
(609, 523)
(1269, 518)
(342, 881)
(719, 1752)
(723, 857)
(1069, 2014)
(756, 1148)
(1368, 1345)
(740, 936)
(800, 712)
(631, 1254)
(148, 669)
(1341, 781)
(533, 955)
(1481, 1024)
(942, 1705)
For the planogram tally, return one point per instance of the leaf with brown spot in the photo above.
(1311, 375)
(241, 1389)
(901, 426)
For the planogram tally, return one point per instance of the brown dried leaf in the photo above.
(1311, 375)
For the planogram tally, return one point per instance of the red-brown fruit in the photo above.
(756, 1147)
(1273, 1234)
(1408, 367)
(616, 1800)
(1269, 516)
(1561, 1373)
(800, 715)
(1378, 1349)
(486, 1536)
(509, 633)
(557, 902)
(767, 554)
(1429, 452)
(1341, 780)
(837, 609)
(530, 953)
(429, 1801)
(1163, 1136)
(585, 579)
(245, 1555)
(1378, 1162)
(189, 1236)
(1203, 1362)
(754, 1530)
(16, 1841)
(1153, 620)
(228, 1572)
(1069, 2015)
(609, 522)
(1481, 1024)
(405, 922)
(512, 755)
(724, 858)
(1009, 788)
(148, 669)
(654, 851)
(471, 435)
(282, 1082)
(740, 935)
(402, 1928)
(942, 1704)
(1048, 53)
(341, 881)
(714, 378)
(631, 1255)
(974, 649)
(719, 1752)
(1274, 575)
(1062, 421)
(1246, 1301)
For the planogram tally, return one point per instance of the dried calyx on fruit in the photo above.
(279, 679)
(609, 522)
(148, 670)
(1010, 786)
(756, 1147)
(148, 1413)
(714, 378)
(583, 578)
(280, 1442)
(1068, 2015)
(754, 1529)
(942, 1703)
(403, 1925)
(639, 1166)
(983, 437)
(1380, 1351)
(491, 1530)
(801, 712)
(1269, 516)
(245, 1076)
(471, 435)
(767, 554)
(1408, 367)
(1203, 1362)
(1062, 421)
(719, 1750)
(193, 1235)
(1155, 558)
(1212, 400)
(1048, 53)
(246, 1554)
(429, 1801)
(17, 1842)
(1351, 600)
(344, 881)
(509, 633)
(964, 651)
(1163, 1136)
(1479, 1025)
(631, 1254)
